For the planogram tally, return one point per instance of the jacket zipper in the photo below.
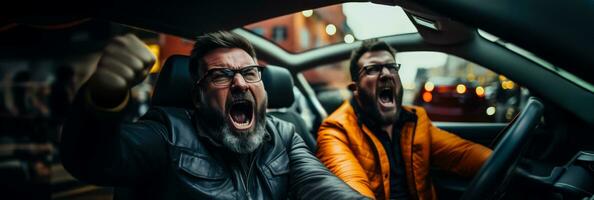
(412, 170)
(246, 183)
(249, 176)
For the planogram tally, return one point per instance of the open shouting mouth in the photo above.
(241, 114)
(385, 97)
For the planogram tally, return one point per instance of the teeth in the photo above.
(244, 124)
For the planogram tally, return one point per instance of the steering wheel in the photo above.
(491, 177)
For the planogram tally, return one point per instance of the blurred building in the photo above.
(304, 30)
(295, 32)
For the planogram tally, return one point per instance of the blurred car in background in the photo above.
(450, 99)
(457, 100)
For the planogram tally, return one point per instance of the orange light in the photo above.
(508, 85)
(480, 91)
(427, 97)
(461, 89)
(429, 86)
(155, 50)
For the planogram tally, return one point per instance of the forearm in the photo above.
(88, 137)
(455, 154)
(310, 179)
(97, 147)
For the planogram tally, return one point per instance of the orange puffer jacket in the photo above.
(356, 155)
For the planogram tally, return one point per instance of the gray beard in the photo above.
(242, 143)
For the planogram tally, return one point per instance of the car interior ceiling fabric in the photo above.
(174, 84)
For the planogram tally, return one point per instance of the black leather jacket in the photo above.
(163, 157)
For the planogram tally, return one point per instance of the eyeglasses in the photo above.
(372, 70)
(224, 76)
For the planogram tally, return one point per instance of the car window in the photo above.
(449, 88)
(329, 83)
(341, 23)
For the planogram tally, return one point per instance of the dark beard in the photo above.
(369, 107)
(214, 122)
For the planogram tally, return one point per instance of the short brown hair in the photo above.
(367, 46)
(211, 41)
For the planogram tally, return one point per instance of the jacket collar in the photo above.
(202, 132)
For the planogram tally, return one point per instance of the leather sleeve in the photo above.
(309, 178)
(334, 152)
(97, 147)
(452, 153)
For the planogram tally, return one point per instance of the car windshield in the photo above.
(343, 23)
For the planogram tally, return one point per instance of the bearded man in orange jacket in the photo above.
(382, 149)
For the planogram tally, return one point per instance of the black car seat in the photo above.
(279, 86)
(174, 85)
(331, 99)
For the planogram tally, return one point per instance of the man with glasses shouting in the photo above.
(382, 149)
(224, 148)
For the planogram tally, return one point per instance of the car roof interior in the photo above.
(524, 29)
(457, 36)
